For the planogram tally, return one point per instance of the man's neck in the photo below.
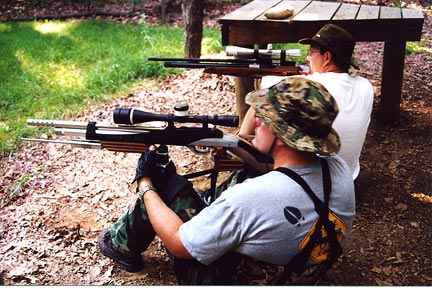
(289, 157)
(333, 68)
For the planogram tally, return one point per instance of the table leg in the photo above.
(243, 85)
(391, 81)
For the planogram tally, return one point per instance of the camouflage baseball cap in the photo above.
(300, 112)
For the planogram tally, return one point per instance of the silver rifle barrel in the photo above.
(57, 123)
(70, 131)
(78, 143)
(81, 125)
(108, 131)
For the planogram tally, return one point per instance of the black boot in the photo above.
(108, 249)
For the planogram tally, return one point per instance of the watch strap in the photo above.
(144, 190)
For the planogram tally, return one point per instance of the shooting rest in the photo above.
(247, 26)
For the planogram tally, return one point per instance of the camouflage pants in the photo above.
(133, 233)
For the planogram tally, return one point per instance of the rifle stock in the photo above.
(254, 72)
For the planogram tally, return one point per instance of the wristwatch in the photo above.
(144, 190)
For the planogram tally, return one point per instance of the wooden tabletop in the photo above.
(248, 25)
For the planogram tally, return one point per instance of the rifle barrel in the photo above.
(106, 131)
(83, 125)
(254, 72)
(211, 60)
(57, 123)
(226, 65)
(78, 143)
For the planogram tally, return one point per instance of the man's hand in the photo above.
(146, 164)
(149, 166)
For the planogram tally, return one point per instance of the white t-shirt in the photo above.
(249, 218)
(354, 96)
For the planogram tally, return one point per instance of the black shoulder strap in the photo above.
(320, 206)
(298, 261)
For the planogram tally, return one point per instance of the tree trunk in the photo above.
(193, 14)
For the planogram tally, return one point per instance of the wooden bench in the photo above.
(247, 26)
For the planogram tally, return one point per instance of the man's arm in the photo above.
(247, 127)
(165, 221)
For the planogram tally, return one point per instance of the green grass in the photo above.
(418, 47)
(54, 69)
(298, 59)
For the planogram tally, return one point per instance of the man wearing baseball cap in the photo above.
(267, 223)
(330, 57)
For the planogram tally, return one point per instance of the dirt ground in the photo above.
(55, 199)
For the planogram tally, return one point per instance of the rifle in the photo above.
(129, 135)
(263, 62)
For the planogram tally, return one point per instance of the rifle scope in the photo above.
(134, 116)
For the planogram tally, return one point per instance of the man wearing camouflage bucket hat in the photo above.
(329, 59)
(262, 222)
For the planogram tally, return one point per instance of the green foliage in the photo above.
(298, 59)
(415, 47)
(14, 192)
(211, 42)
(52, 69)
(418, 47)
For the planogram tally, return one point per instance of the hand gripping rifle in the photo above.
(128, 136)
(261, 62)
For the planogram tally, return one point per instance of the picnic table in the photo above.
(247, 26)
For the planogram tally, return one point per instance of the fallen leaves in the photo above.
(402, 207)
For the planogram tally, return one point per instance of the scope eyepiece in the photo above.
(133, 116)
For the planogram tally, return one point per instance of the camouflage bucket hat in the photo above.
(300, 112)
(337, 40)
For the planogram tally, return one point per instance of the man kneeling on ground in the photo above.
(266, 223)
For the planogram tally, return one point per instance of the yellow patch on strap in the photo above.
(321, 251)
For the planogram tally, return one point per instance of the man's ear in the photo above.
(327, 56)
(279, 142)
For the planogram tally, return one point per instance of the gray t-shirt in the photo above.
(249, 217)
